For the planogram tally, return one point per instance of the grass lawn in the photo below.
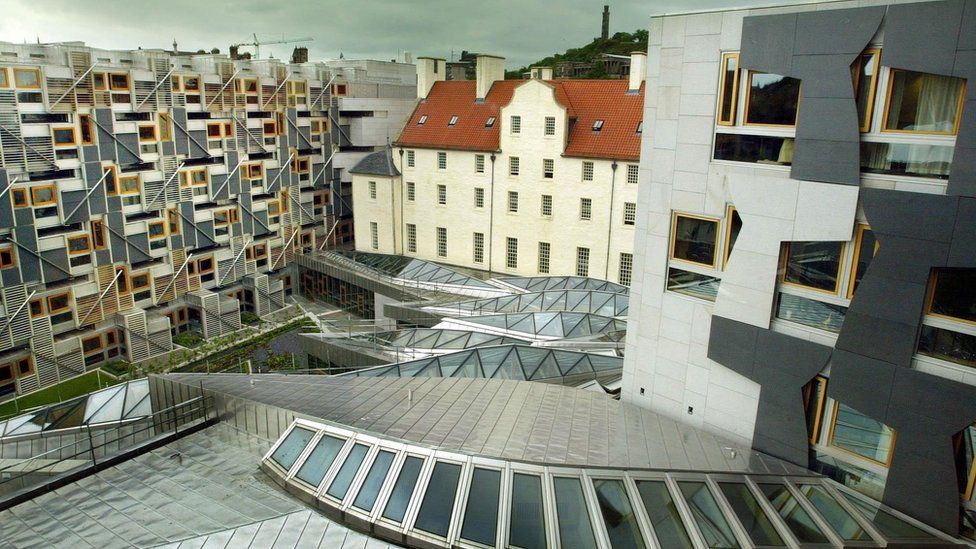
(65, 390)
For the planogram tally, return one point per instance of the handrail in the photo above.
(89, 450)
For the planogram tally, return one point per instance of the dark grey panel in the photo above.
(217, 181)
(260, 228)
(271, 174)
(30, 265)
(836, 31)
(176, 242)
(292, 116)
(768, 43)
(103, 136)
(11, 277)
(923, 36)
(759, 355)
(115, 226)
(180, 140)
(861, 382)
(189, 232)
(89, 152)
(169, 149)
(878, 338)
(54, 262)
(103, 257)
(198, 142)
(74, 201)
(205, 234)
(6, 206)
(138, 248)
(128, 148)
(962, 250)
(809, 165)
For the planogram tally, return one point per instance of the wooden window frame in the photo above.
(50, 308)
(821, 403)
(971, 478)
(97, 227)
(19, 70)
(87, 352)
(124, 278)
(6, 78)
(138, 188)
(87, 249)
(110, 339)
(13, 257)
(887, 105)
(856, 77)
(930, 298)
(155, 133)
(852, 269)
(215, 135)
(245, 86)
(23, 201)
(301, 164)
(116, 186)
(734, 104)
(274, 128)
(730, 210)
(226, 216)
(54, 195)
(8, 377)
(134, 277)
(234, 215)
(84, 121)
(149, 230)
(196, 88)
(176, 83)
(831, 445)
(30, 367)
(74, 136)
(200, 269)
(227, 129)
(674, 234)
(163, 122)
(113, 87)
(99, 87)
(39, 301)
(260, 250)
(784, 261)
(173, 221)
(745, 105)
(277, 207)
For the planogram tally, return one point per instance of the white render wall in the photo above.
(564, 230)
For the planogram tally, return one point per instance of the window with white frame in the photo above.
(441, 242)
(442, 194)
(511, 252)
(516, 124)
(479, 248)
(544, 248)
(372, 190)
(374, 235)
(548, 166)
(411, 158)
(479, 163)
(513, 202)
(479, 197)
(411, 191)
(587, 170)
(626, 268)
(441, 160)
(630, 213)
(633, 174)
(586, 208)
(582, 261)
(546, 209)
(550, 125)
(513, 165)
(411, 238)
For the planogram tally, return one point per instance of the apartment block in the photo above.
(522, 177)
(145, 193)
(804, 262)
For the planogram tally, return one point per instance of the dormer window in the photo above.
(597, 125)
(453, 121)
(423, 120)
(640, 128)
(490, 122)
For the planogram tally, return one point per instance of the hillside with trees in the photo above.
(621, 43)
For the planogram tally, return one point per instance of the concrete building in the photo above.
(804, 256)
(146, 193)
(521, 177)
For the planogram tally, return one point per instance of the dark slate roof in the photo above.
(377, 163)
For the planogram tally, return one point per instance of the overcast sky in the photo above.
(520, 30)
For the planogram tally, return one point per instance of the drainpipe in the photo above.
(613, 180)
(491, 212)
(403, 195)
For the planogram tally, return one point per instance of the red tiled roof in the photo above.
(585, 101)
(457, 98)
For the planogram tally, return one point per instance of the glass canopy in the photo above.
(542, 283)
(409, 268)
(519, 362)
(430, 338)
(118, 403)
(551, 325)
(414, 494)
(579, 301)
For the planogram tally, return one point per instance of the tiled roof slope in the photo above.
(585, 101)
(377, 163)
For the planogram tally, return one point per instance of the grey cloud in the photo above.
(518, 30)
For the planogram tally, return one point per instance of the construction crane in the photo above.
(258, 43)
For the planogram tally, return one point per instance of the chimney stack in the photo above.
(488, 69)
(638, 70)
(429, 70)
(606, 22)
(541, 73)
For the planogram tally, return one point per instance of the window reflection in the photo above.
(618, 514)
(862, 435)
(695, 239)
(954, 294)
(923, 103)
(575, 530)
(772, 99)
(815, 265)
(760, 149)
(932, 161)
(693, 284)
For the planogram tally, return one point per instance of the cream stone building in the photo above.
(521, 177)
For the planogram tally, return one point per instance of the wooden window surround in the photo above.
(139, 281)
(44, 195)
(165, 131)
(191, 84)
(4, 77)
(147, 133)
(221, 217)
(156, 229)
(270, 128)
(688, 255)
(87, 129)
(8, 258)
(785, 273)
(248, 85)
(64, 137)
(253, 171)
(122, 282)
(864, 91)
(92, 344)
(98, 234)
(28, 79)
(731, 215)
(728, 99)
(58, 303)
(80, 244)
(214, 130)
(19, 198)
(6, 374)
(36, 307)
(234, 217)
(862, 231)
(25, 366)
(260, 251)
(129, 185)
(814, 397)
(119, 81)
(173, 220)
(205, 265)
(176, 83)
